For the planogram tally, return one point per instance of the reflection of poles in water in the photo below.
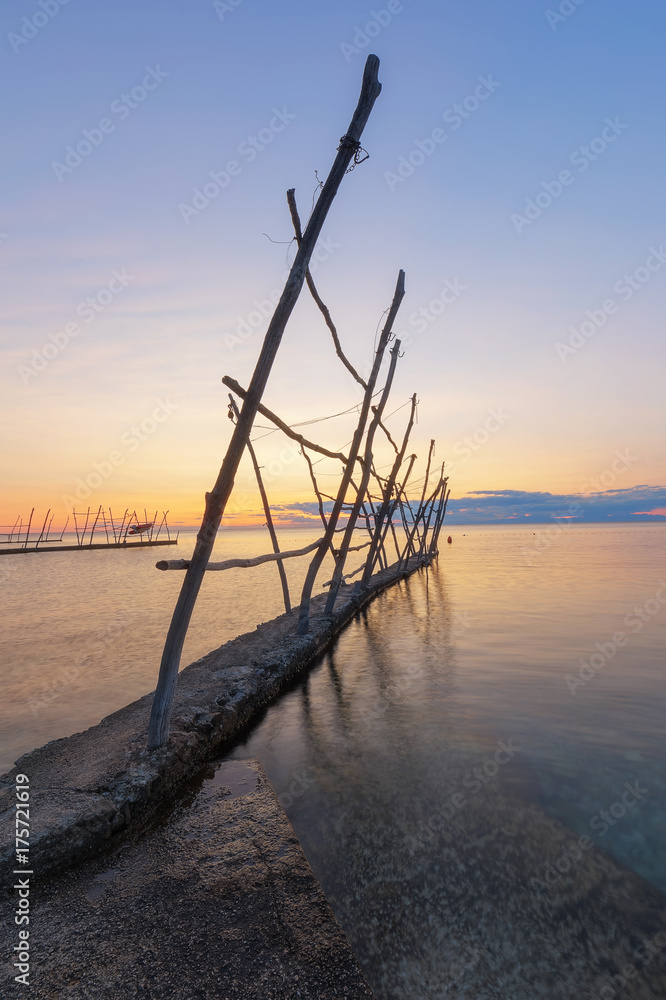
(313, 734)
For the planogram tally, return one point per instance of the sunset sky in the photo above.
(515, 173)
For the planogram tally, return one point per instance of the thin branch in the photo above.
(218, 567)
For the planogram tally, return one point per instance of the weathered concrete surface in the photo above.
(219, 902)
(87, 789)
(498, 901)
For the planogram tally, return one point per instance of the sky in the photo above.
(515, 173)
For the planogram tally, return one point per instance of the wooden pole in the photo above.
(438, 526)
(85, 528)
(403, 502)
(384, 510)
(232, 384)
(323, 308)
(113, 526)
(417, 518)
(372, 429)
(27, 534)
(240, 563)
(162, 522)
(217, 499)
(92, 531)
(233, 412)
(313, 569)
(364, 510)
(41, 534)
(431, 509)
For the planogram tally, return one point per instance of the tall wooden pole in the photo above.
(217, 499)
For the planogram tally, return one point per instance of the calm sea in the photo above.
(524, 671)
(83, 632)
(521, 681)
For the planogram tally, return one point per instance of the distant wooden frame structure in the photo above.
(118, 534)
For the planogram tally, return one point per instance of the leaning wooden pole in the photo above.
(440, 520)
(27, 534)
(267, 510)
(216, 500)
(410, 541)
(313, 569)
(385, 511)
(423, 551)
(365, 480)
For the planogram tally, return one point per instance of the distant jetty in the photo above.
(112, 532)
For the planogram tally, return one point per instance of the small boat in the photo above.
(138, 529)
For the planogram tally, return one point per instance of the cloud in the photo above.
(640, 503)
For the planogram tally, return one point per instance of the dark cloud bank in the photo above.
(640, 503)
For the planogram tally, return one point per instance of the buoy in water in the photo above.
(449, 539)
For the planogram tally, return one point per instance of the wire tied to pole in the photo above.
(347, 140)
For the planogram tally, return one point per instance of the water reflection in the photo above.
(479, 831)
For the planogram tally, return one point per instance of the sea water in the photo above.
(519, 681)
